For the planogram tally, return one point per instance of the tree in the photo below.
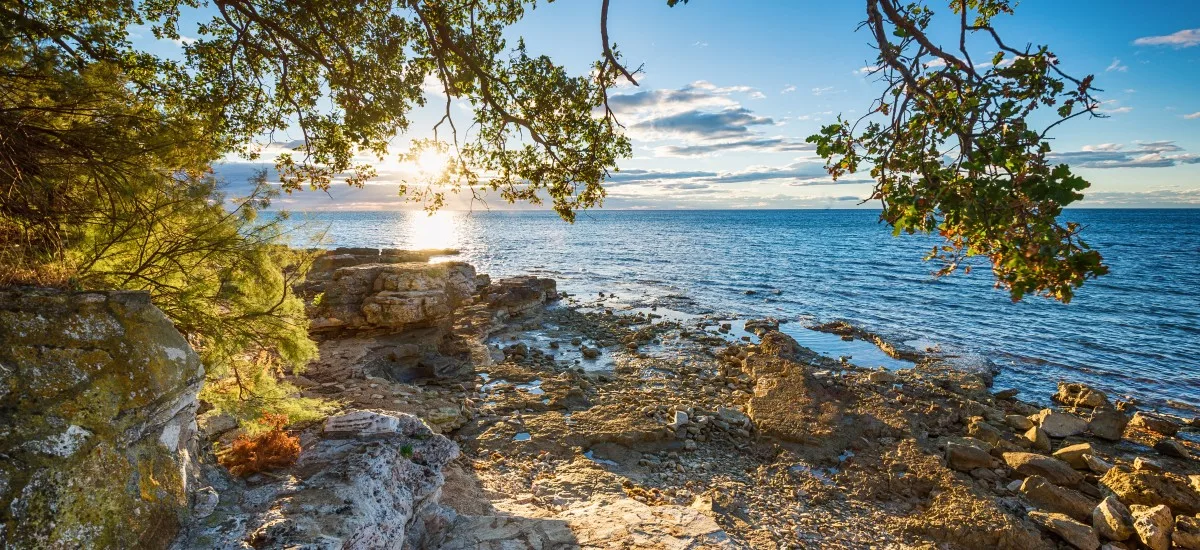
(955, 151)
(952, 146)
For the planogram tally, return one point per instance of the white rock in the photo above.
(1153, 525)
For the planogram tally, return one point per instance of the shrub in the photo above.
(269, 450)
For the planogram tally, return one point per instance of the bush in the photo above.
(269, 450)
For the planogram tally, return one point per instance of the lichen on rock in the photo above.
(98, 392)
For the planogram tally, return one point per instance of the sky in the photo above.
(731, 88)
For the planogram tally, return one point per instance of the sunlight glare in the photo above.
(437, 231)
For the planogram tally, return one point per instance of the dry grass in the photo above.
(266, 451)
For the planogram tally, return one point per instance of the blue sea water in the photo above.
(1133, 332)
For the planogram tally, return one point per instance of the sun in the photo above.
(432, 161)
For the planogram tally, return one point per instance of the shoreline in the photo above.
(691, 434)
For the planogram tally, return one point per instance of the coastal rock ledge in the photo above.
(98, 398)
(372, 480)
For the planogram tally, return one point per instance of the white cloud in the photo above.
(1192, 116)
(700, 44)
(1116, 66)
(823, 90)
(1144, 154)
(1182, 39)
(788, 89)
(757, 95)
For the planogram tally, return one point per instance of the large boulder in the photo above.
(1059, 424)
(1054, 470)
(1076, 534)
(1151, 488)
(516, 295)
(1153, 525)
(1112, 519)
(1080, 395)
(393, 296)
(97, 421)
(372, 480)
(1048, 496)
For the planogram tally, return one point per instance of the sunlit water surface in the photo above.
(1135, 331)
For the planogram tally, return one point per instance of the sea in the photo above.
(1133, 333)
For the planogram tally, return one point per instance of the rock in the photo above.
(1108, 423)
(755, 326)
(1038, 440)
(1187, 532)
(1080, 395)
(1112, 520)
(1153, 525)
(1076, 534)
(689, 445)
(1018, 422)
(964, 457)
(1152, 489)
(1096, 465)
(680, 420)
(517, 295)
(1050, 497)
(207, 499)
(981, 430)
(589, 353)
(1143, 420)
(1007, 394)
(1054, 470)
(1142, 463)
(1073, 455)
(1058, 424)
(1172, 448)
(395, 296)
(372, 480)
(882, 377)
(733, 417)
(98, 401)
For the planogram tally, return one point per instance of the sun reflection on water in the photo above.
(422, 230)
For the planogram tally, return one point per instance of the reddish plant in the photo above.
(270, 450)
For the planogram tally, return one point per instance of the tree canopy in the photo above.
(106, 150)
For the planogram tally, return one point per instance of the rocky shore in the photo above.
(504, 414)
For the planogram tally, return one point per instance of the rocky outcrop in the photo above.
(372, 480)
(392, 296)
(517, 295)
(1151, 488)
(97, 421)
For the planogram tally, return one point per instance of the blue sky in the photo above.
(732, 88)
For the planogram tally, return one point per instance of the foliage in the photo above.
(270, 450)
(952, 147)
(346, 74)
(104, 191)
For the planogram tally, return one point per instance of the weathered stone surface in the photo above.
(1108, 423)
(1097, 465)
(1142, 463)
(1018, 422)
(1037, 438)
(1152, 488)
(981, 430)
(373, 480)
(604, 524)
(97, 421)
(1073, 455)
(1172, 448)
(1076, 534)
(964, 457)
(1187, 532)
(1055, 471)
(393, 296)
(517, 295)
(1050, 497)
(1153, 525)
(1080, 395)
(1112, 520)
(1143, 420)
(1059, 424)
